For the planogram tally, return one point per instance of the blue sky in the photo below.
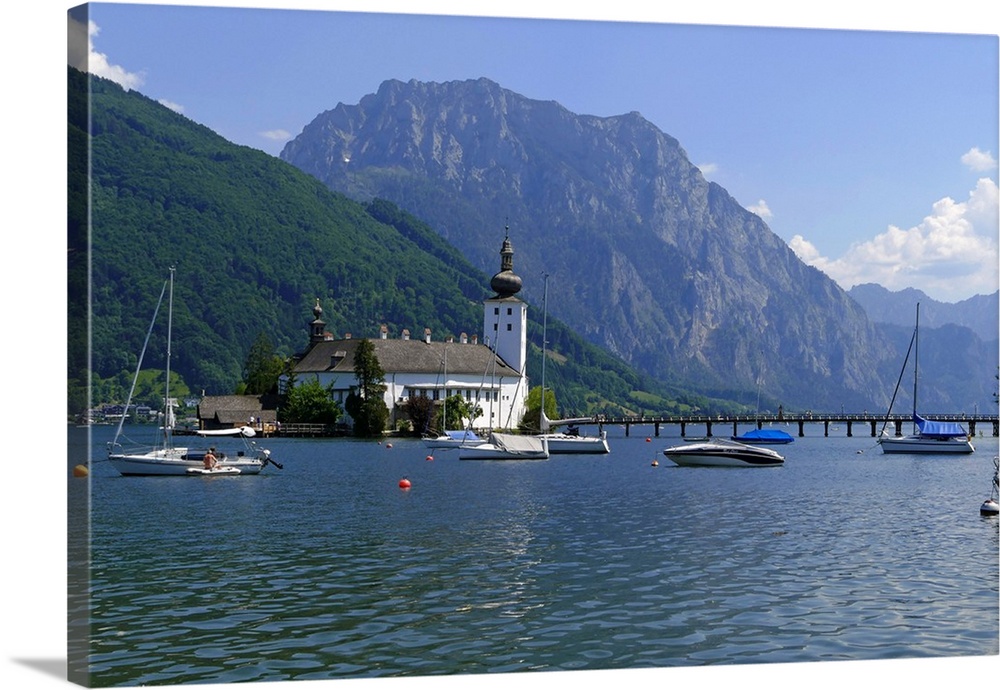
(873, 153)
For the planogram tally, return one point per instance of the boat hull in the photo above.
(487, 451)
(506, 447)
(723, 455)
(927, 445)
(174, 465)
(568, 444)
(446, 442)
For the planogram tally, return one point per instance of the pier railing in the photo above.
(873, 423)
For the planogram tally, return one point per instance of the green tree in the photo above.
(419, 409)
(262, 367)
(532, 418)
(311, 403)
(367, 405)
(456, 410)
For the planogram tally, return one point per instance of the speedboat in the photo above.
(722, 454)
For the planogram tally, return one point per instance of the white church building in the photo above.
(489, 374)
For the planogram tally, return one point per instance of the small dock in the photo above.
(848, 423)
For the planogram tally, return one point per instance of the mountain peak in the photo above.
(647, 258)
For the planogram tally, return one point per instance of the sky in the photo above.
(872, 153)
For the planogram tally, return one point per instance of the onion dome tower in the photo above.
(317, 327)
(505, 316)
(506, 283)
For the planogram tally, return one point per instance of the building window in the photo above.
(509, 311)
(496, 311)
(509, 326)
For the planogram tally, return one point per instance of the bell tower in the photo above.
(505, 316)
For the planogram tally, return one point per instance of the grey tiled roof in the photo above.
(236, 409)
(406, 356)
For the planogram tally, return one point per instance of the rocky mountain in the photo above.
(980, 313)
(645, 256)
(255, 242)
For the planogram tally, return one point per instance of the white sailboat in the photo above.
(450, 438)
(929, 436)
(501, 446)
(570, 442)
(162, 457)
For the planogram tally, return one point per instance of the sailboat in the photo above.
(929, 436)
(570, 442)
(450, 438)
(163, 458)
(759, 436)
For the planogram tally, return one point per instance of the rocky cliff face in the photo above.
(645, 256)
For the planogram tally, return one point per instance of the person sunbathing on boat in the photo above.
(209, 459)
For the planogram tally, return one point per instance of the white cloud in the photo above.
(276, 135)
(979, 161)
(951, 255)
(708, 169)
(89, 60)
(176, 107)
(761, 209)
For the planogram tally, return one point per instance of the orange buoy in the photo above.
(80, 471)
(404, 483)
(655, 463)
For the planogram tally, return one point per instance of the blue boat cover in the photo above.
(463, 435)
(929, 427)
(765, 435)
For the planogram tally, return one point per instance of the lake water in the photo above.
(327, 569)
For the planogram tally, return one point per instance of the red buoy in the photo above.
(647, 439)
(429, 458)
(404, 483)
(388, 445)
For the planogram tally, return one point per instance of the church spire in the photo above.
(317, 327)
(506, 283)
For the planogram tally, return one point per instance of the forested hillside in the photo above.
(255, 242)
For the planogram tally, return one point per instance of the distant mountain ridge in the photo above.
(646, 257)
(980, 313)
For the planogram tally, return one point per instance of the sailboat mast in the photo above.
(167, 411)
(916, 363)
(545, 326)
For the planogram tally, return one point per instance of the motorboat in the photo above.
(764, 437)
(502, 446)
(723, 454)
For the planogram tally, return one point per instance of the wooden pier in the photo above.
(894, 424)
